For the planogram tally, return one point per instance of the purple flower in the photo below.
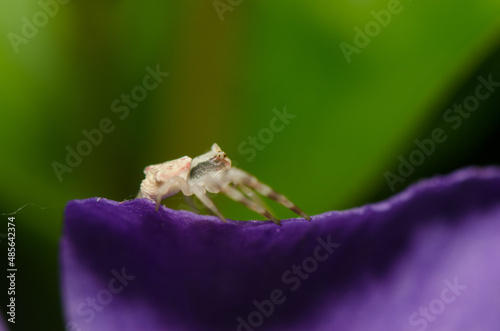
(3, 326)
(428, 258)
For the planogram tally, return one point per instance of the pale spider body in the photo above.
(210, 172)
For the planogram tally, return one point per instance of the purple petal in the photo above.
(427, 258)
(3, 326)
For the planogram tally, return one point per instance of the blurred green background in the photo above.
(232, 65)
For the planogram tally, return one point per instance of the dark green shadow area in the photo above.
(469, 137)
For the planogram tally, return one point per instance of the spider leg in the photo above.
(171, 187)
(239, 176)
(237, 196)
(202, 195)
(252, 195)
(189, 200)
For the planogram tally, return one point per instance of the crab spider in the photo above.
(209, 172)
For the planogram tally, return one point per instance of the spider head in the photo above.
(220, 157)
(210, 163)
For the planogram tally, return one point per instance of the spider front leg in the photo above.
(239, 176)
(252, 195)
(202, 195)
(237, 196)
